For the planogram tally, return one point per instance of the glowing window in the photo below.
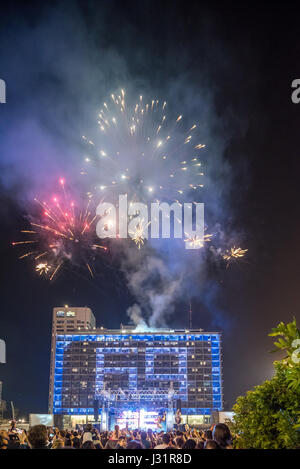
(71, 314)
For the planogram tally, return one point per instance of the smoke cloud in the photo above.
(151, 283)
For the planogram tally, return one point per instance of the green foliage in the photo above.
(288, 334)
(267, 417)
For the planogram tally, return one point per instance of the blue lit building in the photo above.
(133, 373)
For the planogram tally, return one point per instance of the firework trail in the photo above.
(62, 234)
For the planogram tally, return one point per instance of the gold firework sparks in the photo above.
(138, 235)
(234, 253)
(43, 268)
(198, 241)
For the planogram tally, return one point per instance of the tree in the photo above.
(267, 417)
(289, 342)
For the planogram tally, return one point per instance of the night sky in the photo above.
(235, 63)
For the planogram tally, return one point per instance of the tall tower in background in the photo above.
(190, 316)
(64, 320)
(2, 360)
(2, 351)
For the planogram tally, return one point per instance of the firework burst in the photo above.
(234, 253)
(43, 268)
(196, 242)
(61, 234)
(138, 235)
(144, 153)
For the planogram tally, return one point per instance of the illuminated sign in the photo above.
(60, 314)
(138, 419)
(41, 419)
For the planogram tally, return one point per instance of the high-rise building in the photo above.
(2, 351)
(135, 374)
(65, 320)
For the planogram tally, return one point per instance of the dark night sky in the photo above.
(56, 60)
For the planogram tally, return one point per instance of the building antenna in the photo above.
(190, 316)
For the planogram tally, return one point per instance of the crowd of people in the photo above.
(42, 437)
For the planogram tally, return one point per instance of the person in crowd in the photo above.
(221, 434)
(211, 444)
(68, 443)
(13, 441)
(38, 437)
(150, 437)
(41, 437)
(111, 444)
(166, 442)
(134, 444)
(179, 442)
(16, 439)
(3, 439)
(97, 440)
(189, 444)
(207, 435)
(122, 442)
(13, 425)
(23, 440)
(145, 441)
(87, 435)
(104, 438)
(200, 444)
(76, 440)
(88, 445)
(116, 433)
(57, 444)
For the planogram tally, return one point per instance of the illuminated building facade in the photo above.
(64, 321)
(135, 374)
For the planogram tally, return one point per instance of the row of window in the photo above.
(138, 345)
(106, 341)
(90, 410)
(60, 406)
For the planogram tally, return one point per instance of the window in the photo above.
(71, 314)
